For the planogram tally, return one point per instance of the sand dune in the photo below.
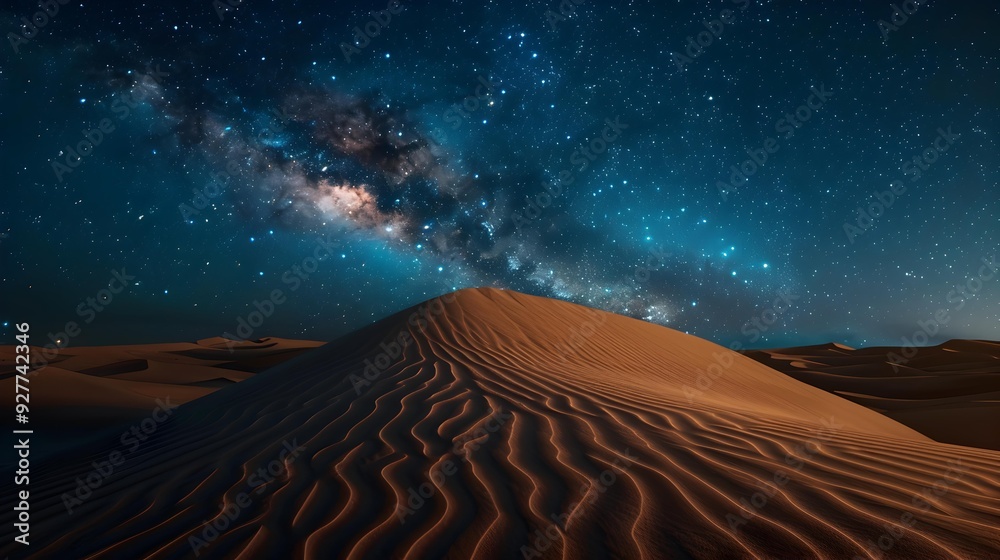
(86, 389)
(534, 428)
(949, 392)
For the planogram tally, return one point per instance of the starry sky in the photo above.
(589, 152)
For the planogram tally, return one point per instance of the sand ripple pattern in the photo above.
(613, 403)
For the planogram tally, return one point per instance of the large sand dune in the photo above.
(532, 428)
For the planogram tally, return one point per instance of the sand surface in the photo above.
(88, 389)
(949, 392)
(517, 417)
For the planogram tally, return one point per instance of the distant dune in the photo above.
(492, 424)
(102, 386)
(949, 392)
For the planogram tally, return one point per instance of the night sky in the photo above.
(238, 143)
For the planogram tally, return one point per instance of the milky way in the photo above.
(470, 144)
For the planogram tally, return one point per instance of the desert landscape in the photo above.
(949, 392)
(493, 424)
(557, 280)
(101, 387)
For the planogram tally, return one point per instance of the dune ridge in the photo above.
(689, 453)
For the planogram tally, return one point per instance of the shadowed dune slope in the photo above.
(86, 389)
(949, 392)
(639, 441)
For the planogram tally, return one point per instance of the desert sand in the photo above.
(949, 392)
(513, 426)
(87, 389)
